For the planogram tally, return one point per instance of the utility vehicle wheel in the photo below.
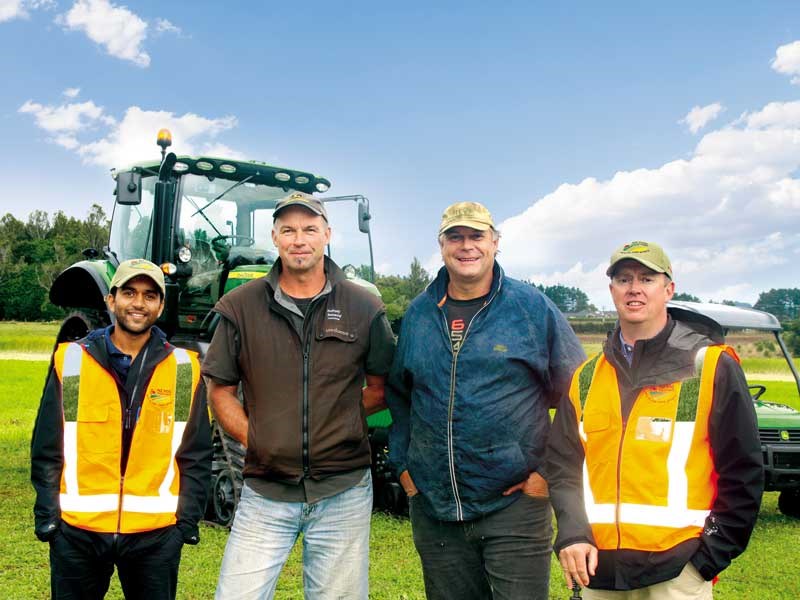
(789, 503)
(224, 497)
(79, 323)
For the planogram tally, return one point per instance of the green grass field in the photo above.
(767, 570)
(27, 337)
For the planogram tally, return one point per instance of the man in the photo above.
(481, 359)
(655, 464)
(121, 450)
(302, 341)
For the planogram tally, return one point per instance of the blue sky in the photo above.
(573, 123)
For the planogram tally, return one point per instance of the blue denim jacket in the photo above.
(469, 425)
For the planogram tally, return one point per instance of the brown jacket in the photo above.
(302, 393)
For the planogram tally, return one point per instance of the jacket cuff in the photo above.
(704, 567)
(189, 532)
(47, 530)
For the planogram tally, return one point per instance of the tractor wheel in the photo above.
(223, 497)
(79, 323)
(789, 503)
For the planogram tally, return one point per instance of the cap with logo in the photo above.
(307, 201)
(649, 254)
(137, 267)
(466, 214)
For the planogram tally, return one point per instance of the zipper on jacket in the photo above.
(306, 462)
(451, 404)
(119, 510)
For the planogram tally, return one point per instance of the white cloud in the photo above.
(71, 92)
(787, 61)
(12, 9)
(133, 138)
(700, 116)
(166, 26)
(117, 29)
(729, 215)
(100, 139)
(66, 118)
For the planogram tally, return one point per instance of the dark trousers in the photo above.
(82, 562)
(502, 556)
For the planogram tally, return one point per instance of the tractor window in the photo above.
(131, 235)
(232, 229)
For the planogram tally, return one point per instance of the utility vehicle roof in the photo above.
(731, 317)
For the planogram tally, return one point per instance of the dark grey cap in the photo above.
(307, 201)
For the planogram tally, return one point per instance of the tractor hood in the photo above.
(773, 415)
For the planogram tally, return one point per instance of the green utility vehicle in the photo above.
(207, 221)
(778, 424)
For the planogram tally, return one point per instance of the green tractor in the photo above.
(207, 221)
(778, 424)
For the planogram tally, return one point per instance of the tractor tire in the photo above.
(78, 323)
(224, 497)
(226, 476)
(789, 503)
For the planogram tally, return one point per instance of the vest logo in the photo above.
(333, 314)
(500, 348)
(160, 396)
(661, 393)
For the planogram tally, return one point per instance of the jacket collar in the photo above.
(332, 271)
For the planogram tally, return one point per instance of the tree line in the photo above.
(34, 252)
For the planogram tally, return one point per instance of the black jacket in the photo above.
(734, 441)
(193, 455)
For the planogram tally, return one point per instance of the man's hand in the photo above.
(578, 561)
(408, 484)
(224, 403)
(534, 486)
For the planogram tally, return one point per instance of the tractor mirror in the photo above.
(363, 217)
(129, 188)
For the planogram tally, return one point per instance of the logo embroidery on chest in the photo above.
(160, 396)
(333, 314)
(661, 393)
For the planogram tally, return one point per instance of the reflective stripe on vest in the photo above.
(94, 495)
(650, 485)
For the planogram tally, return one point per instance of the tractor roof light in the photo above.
(226, 168)
(180, 167)
(283, 177)
(164, 138)
(302, 179)
(204, 165)
(322, 187)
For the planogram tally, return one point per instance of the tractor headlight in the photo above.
(184, 254)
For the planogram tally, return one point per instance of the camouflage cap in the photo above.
(649, 254)
(307, 201)
(466, 214)
(136, 267)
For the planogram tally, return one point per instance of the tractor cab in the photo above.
(207, 222)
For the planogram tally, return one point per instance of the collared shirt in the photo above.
(120, 361)
(627, 349)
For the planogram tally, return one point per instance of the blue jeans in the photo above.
(335, 545)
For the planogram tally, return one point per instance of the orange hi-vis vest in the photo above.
(649, 483)
(95, 494)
